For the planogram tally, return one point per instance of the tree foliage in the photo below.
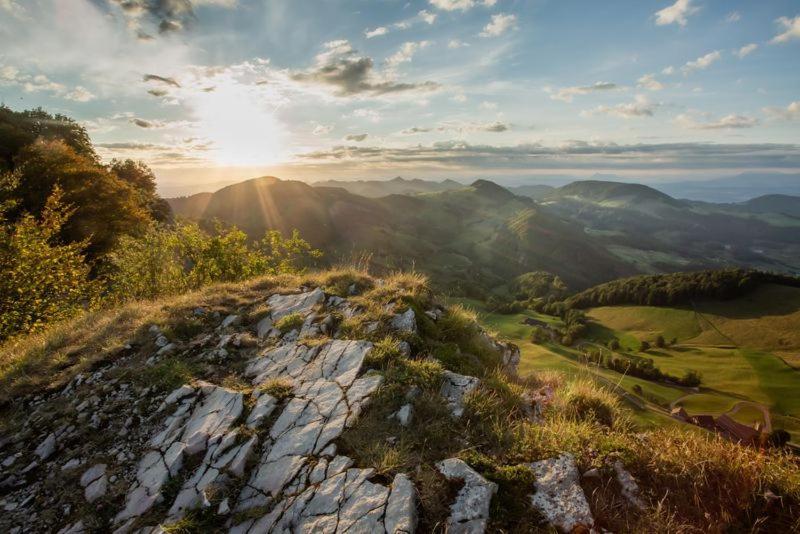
(168, 260)
(42, 279)
(678, 288)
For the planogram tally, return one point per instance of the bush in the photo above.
(644, 346)
(289, 322)
(170, 260)
(41, 280)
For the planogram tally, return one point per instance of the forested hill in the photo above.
(678, 288)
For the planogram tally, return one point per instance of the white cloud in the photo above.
(321, 129)
(13, 8)
(406, 53)
(79, 94)
(460, 97)
(677, 13)
(499, 25)
(790, 27)
(790, 112)
(455, 43)
(727, 122)
(462, 5)
(566, 94)
(745, 50)
(668, 71)
(640, 107)
(427, 16)
(733, 16)
(488, 105)
(381, 30)
(702, 63)
(648, 81)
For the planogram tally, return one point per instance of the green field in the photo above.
(711, 342)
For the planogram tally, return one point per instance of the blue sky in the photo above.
(208, 90)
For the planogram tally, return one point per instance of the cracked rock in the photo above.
(630, 489)
(94, 482)
(405, 322)
(454, 388)
(558, 494)
(469, 513)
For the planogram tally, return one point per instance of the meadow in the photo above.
(743, 349)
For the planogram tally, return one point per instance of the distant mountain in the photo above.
(614, 194)
(192, 206)
(535, 191)
(482, 235)
(395, 186)
(477, 236)
(784, 204)
(738, 188)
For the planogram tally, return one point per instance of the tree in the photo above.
(691, 379)
(41, 280)
(19, 129)
(613, 344)
(660, 343)
(644, 346)
(105, 207)
(141, 178)
(539, 335)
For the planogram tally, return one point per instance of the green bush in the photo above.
(170, 260)
(41, 279)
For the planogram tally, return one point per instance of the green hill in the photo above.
(469, 238)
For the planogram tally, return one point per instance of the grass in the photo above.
(289, 322)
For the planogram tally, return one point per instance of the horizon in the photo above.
(215, 91)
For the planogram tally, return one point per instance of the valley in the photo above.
(745, 350)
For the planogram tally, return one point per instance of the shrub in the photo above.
(41, 280)
(278, 388)
(585, 401)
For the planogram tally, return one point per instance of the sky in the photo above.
(208, 91)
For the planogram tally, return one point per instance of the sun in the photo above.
(242, 128)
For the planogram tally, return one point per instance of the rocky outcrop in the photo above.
(454, 388)
(469, 514)
(558, 495)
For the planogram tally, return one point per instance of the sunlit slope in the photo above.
(473, 237)
(766, 319)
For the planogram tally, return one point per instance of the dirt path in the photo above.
(760, 407)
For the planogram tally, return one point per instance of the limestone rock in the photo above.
(405, 322)
(469, 514)
(404, 414)
(94, 482)
(630, 489)
(558, 494)
(401, 508)
(454, 388)
(302, 303)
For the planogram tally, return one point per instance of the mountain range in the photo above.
(480, 236)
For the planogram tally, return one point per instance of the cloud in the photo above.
(32, 83)
(322, 129)
(500, 24)
(356, 137)
(566, 94)
(678, 13)
(158, 92)
(745, 50)
(427, 16)
(725, 123)
(462, 5)
(790, 27)
(369, 114)
(702, 63)
(733, 16)
(79, 94)
(406, 53)
(455, 43)
(461, 127)
(668, 71)
(13, 8)
(640, 107)
(341, 68)
(790, 112)
(648, 81)
(160, 79)
(158, 125)
(377, 32)
(571, 155)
